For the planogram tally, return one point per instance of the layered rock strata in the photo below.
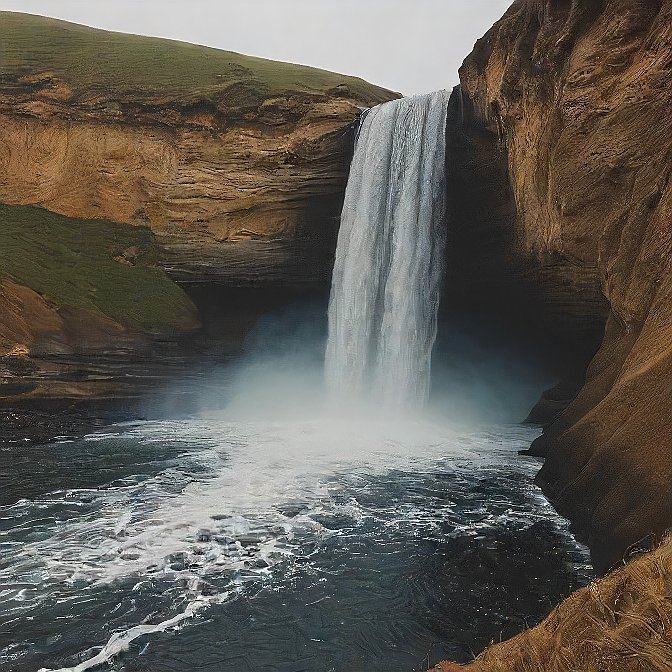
(574, 97)
(207, 148)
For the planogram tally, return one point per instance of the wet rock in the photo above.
(204, 536)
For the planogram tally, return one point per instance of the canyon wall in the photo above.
(204, 186)
(568, 102)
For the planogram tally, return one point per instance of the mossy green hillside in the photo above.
(71, 262)
(115, 63)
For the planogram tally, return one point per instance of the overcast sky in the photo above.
(412, 46)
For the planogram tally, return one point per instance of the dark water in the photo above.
(212, 544)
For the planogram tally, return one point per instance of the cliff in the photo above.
(571, 100)
(207, 148)
(128, 163)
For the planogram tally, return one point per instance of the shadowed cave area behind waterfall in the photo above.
(499, 342)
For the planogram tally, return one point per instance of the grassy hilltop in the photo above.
(98, 60)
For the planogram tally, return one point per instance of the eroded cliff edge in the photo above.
(148, 162)
(569, 103)
(201, 145)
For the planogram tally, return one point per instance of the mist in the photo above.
(280, 376)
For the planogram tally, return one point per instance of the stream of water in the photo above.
(389, 257)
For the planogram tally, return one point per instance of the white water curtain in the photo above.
(389, 260)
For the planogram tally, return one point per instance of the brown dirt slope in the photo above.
(579, 94)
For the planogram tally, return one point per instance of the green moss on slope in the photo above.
(71, 262)
(106, 62)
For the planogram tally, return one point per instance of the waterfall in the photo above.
(388, 270)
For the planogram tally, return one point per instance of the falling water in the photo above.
(385, 287)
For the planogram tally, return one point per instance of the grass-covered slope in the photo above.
(99, 266)
(620, 623)
(101, 61)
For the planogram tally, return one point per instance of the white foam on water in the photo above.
(245, 496)
(120, 641)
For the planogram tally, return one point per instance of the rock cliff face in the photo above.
(126, 158)
(572, 100)
(207, 148)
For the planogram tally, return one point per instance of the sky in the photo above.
(411, 46)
